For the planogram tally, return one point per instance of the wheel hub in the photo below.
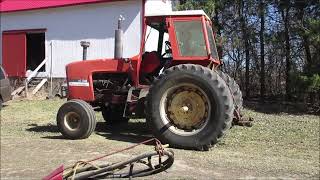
(72, 121)
(187, 108)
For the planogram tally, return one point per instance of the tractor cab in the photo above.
(184, 37)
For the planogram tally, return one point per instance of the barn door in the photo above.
(14, 54)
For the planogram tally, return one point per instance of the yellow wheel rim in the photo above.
(186, 107)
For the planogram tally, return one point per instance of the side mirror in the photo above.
(168, 47)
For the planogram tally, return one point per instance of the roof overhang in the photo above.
(26, 5)
(179, 13)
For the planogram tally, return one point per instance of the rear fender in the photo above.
(79, 76)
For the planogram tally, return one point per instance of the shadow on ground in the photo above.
(43, 128)
(134, 132)
(276, 107)
(4, 105)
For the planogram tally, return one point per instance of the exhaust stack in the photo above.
(118, 40)
(84, 45)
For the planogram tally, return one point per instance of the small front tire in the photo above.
(76, 119)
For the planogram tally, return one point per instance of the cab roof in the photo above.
(179, 13)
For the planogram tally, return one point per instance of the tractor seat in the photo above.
(150, 62)
(150, 67)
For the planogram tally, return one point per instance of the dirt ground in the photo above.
(278, 146)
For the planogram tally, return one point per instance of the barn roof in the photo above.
(24, 5)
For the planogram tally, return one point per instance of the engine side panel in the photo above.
(79, 76)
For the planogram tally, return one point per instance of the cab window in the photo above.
(213, 48)
(190, 38)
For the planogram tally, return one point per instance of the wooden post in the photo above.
(26, 88)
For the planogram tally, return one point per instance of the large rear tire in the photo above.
(189, 106)
(235, 90)
(76, 119)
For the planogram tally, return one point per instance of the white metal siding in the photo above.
(67, 26)
(156, 6)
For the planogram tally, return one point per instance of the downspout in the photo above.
(51, 69)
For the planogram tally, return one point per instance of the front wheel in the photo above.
(76, 119)
(190, 106)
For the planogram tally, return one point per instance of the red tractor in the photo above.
(186, 100)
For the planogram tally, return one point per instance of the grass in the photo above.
(278, 145)
(19, 114)
(276, 142)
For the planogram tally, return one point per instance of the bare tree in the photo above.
(245, 37)
(262, 62)
(284, 9)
